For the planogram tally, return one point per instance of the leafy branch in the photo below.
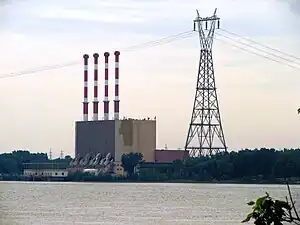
(268, 211)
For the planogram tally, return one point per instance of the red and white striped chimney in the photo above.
(85, 90)
(106, 101)
(96, 101)
(117, 101)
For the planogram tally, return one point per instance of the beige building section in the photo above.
(135, 136)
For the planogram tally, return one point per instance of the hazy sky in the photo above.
(258, 98)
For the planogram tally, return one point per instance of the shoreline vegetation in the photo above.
(257, 166)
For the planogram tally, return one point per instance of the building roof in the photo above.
(154, 164)
(170, 155)
(122, 119)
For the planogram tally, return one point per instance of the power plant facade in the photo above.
(109, 136)
(116, 137)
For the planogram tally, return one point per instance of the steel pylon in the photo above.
(205, 135)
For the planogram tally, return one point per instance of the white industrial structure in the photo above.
(102, 163)
(45, 170)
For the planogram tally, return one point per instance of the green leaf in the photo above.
(247, 219)
(283, 204)
(260, 200)
(251, 203)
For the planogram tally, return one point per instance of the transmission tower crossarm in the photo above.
(200, 19)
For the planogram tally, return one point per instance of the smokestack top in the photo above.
(96, 55)
(85, 56)
(117, 53)
(106, 54)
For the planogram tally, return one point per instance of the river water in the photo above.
(129, 203)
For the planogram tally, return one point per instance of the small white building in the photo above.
(91, 171)
(45, 170)
(118, 169)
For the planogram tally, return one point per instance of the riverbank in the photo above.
(108, 178)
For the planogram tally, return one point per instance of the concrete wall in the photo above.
(144, 138)
(95, 137)
(136, 136)
(123, 138)
(116, 137)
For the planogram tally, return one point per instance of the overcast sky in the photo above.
(258, 98)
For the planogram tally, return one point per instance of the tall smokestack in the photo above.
(85, 90)
(95, 102)
(106, 101)
(117, 101)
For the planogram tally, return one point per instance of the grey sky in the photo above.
(258, 98)
(294, 6)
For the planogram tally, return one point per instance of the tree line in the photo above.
(245, 165)
(13, 163)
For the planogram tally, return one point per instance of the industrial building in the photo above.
(45, 171)
(96, 139)
(168, 155)
(100, 163)
(111, 135)
(116, 137)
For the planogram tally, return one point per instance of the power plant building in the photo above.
(110, 136)
(116, 137)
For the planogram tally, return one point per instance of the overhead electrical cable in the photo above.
(173, 38)
(258, 49)
(161, 41)
(268, 47)
(40, 69)
(148, 44)
(255, 53)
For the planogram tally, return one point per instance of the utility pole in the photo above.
(50, 154)
(205, 135)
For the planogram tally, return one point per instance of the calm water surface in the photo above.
(129, 203)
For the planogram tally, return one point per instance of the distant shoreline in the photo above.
(21, 178)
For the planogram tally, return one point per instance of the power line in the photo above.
(40, 69)
(164, 40)
(248, 39)
(251, 46)
(149, 44)
(244, 49)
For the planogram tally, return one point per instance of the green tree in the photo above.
(130, 160)
(12, 163)
(269, 211)
(68, 158)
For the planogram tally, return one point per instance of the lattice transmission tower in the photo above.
(205, 135)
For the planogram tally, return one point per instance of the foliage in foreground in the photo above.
(268, 211)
